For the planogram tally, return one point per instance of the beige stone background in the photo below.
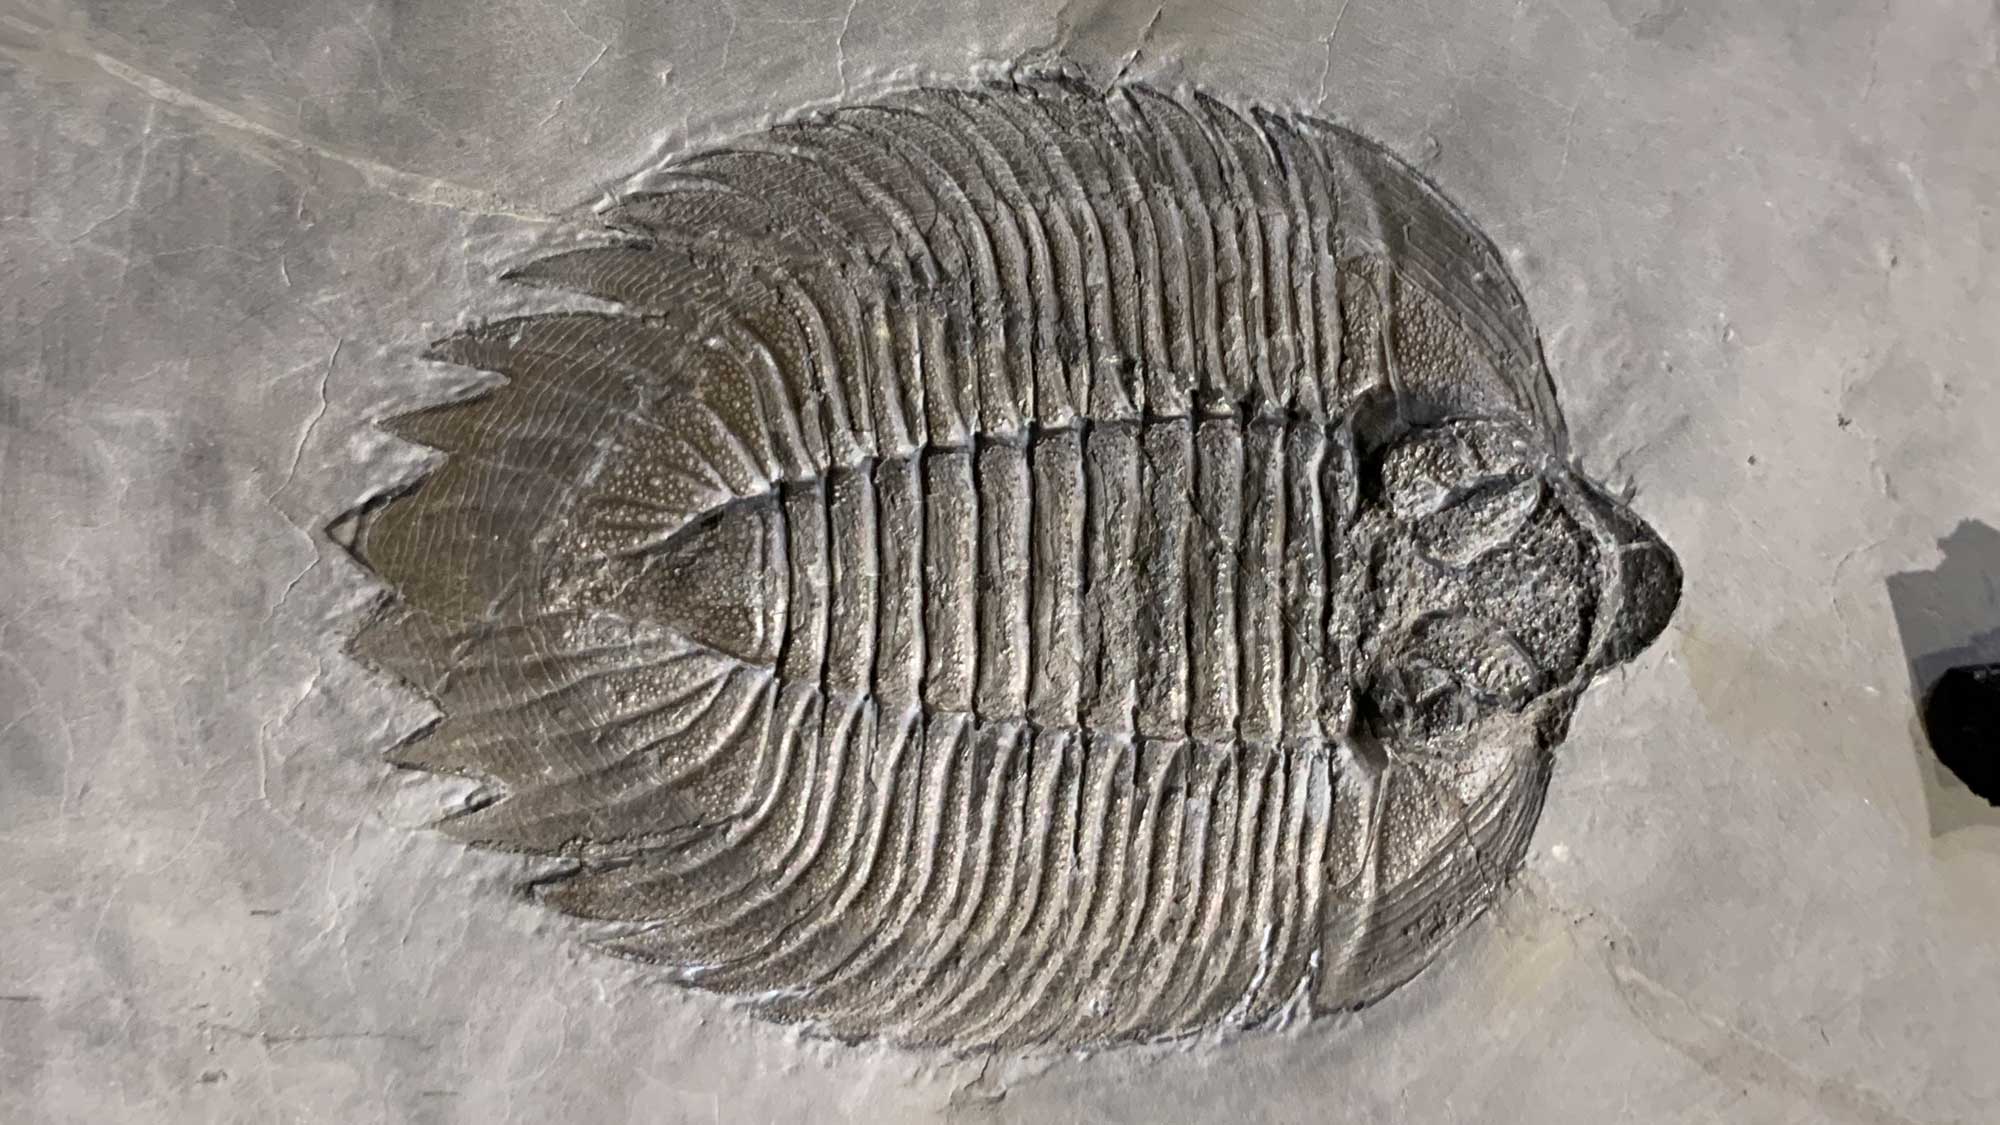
(1759, 240)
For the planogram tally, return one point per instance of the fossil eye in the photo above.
(1448, 670)
(1463, 490)
(1476, 520)
(929, 590)
(1433, 467)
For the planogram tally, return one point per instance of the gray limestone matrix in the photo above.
(1021, 566)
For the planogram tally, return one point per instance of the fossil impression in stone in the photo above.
(1018, 566)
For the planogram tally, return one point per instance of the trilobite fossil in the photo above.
(1015, 566)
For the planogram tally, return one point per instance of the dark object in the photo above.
(1962, 719)
(1017, 566)
(1949, 617)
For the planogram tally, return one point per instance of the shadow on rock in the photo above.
(1949, 621)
